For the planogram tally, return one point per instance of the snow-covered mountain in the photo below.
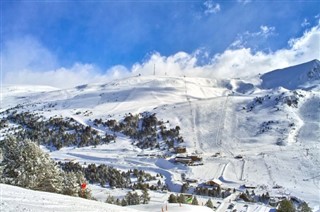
(266, 135)
(300, 76)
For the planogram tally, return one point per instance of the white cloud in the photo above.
(239, 62)
(26, 53)
(244, 1)
(65, 77)
(265, 31)
(305, 23)
(211, 7)
(253, 37)
(27, 61)
(233, 62)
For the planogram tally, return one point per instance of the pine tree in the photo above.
(209, 203)
(172, 198)
(184, 188)
(25, 165)
(286, 206)
(195, 201)
(132, 198)
(110, 200)
(145, 198)
(304, 207)
(124, 202)
(135, 199)
(85, 193)
(219, 191)
(71, 185)
(181, 199)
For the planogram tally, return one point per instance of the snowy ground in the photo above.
(15, 199)
(214, 118)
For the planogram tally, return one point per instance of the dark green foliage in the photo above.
(124, 202)
(172, 198)
(85, 193)
(99, 174)
(146, 130)
(24, 164)
(184, 188)
(145, 198)
(286, 206)
(304, 207)
(110, 200)
(181, 198)
(56, 132)
(132, 198)
(212, 192)
(209, 203)
(195, 201)
(105, 175)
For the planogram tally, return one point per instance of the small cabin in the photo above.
(214, 182)
(238, 157)
(191, 180)
(249, 186)
(195, 158)
(185, 160)
(180, 149)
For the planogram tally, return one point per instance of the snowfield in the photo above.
(14, 199)
(19, 199)
(273, 128)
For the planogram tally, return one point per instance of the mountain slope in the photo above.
(275, 132)
(299, 76)
(20, 199)
(16, 199)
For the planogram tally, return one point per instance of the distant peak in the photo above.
(315, 61)
(293, 77)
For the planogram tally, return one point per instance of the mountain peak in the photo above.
(292, 77)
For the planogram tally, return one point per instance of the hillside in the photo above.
(263, 135)
(299, 76)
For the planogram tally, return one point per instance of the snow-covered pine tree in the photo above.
(25, 164)
(71, 184)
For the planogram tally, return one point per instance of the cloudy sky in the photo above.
(65, 43)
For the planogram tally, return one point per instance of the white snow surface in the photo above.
(293, 77)
(16, 199)
(279, 144)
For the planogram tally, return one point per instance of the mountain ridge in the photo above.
(293, 77)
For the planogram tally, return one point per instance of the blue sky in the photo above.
(106, 35)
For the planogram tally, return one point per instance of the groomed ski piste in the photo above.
(278, 143)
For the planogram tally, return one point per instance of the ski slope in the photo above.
(278, 143)
(15, 199)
